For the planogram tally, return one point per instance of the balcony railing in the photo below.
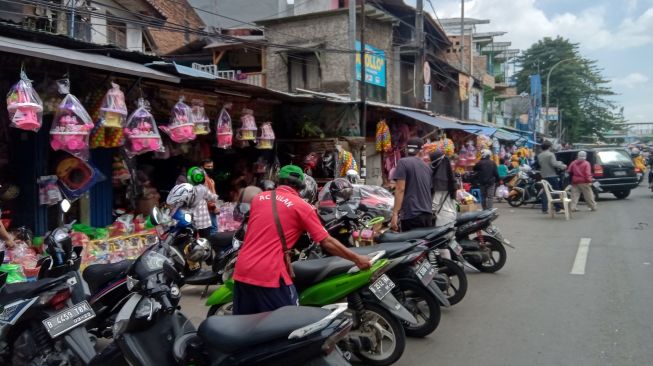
(252, 78)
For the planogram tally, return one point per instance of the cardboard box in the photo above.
(470, 207)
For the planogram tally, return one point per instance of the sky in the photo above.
(618, 34)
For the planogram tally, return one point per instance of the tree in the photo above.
(577, 86)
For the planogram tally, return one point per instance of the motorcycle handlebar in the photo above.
(165, 302)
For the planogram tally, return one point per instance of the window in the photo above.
(117, 33)
(614, 156)
(477, 100)
(304, 71)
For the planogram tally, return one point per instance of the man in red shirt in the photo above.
(262, 281)
(581, 181)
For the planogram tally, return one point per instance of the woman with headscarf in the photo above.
(487, 176)
(443, 189)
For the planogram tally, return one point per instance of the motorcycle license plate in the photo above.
(425, 272)
(68, 319)
(493, 230)
(455, 247)
(382, 287)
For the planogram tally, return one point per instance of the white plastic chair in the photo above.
(561, 197)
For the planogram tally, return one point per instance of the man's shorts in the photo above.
(250, 299)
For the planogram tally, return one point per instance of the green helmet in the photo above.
(195, 175)
(290, 172)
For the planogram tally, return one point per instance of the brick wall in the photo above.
(178, 13)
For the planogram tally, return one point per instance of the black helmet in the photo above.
(309, 192)
(341, 190)
(267, 185)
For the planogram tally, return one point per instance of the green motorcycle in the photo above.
(377, 337)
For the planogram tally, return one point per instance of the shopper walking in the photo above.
(581, 181)
(412, 190)
(548, 169)
(444, 189)
(207, 165)
(487, 176)
(199, 208)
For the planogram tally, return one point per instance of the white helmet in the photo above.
(352, 176)
(181, 195)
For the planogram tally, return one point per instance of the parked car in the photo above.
(612, 168)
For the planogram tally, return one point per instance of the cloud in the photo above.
(526, 23)
(631, 80)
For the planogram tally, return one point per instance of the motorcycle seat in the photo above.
(99, 275)
(391, 249)
(229, 334)
(221, 241)
(312, 271)
(422, 233)
(471, 216)
(24, 290)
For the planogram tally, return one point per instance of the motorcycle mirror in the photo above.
(65, 205)
(155, 216)
(170, 272)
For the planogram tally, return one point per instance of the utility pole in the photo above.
(363, 121)
(548, 76)
(462, 53)
(353, 87)
(419, 61)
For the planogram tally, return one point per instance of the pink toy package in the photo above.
(247, 130)
(224, 131)
(24, 105)
(141, 132)
(266, 139)
(114, 110)
(202, 123)
(71, 125)
(181, 128)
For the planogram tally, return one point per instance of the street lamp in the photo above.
(547, 88)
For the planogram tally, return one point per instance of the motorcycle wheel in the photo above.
(422, 304)
(457, 280)
(224, 309)
(389, 339)
(516, 200)
(496, 248)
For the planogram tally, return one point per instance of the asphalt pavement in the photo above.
(535, 311)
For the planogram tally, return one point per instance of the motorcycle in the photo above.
(40, 323)
(481, 241)
(149, 329)
(524, 188)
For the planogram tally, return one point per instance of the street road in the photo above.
(535, 311)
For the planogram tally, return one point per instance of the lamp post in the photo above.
(548, 76)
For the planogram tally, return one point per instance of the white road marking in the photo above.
(581, 257)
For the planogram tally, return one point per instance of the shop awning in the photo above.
(435, 121)
(93, 60)
(180, 70)
(506, 136)
(476, 129)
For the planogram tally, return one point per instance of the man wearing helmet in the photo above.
(199, 207)
(262, 279)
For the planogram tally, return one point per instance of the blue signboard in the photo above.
(374, 65)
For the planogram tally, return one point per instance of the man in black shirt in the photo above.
(487, 176)
(413, 190)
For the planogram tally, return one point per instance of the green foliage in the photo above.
(577, 86)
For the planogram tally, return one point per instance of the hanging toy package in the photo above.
(202, 123)
(383, 139)
(181, 128)
(71, 125)
(114, 110)
(247, 130)
(223, 126)
(24, 105)
(266, 139)
(142, 134)
(49, 193)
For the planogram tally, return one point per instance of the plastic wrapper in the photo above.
(49, 193)
(247, 130)
(224, 131)
(181, 127)
(465, 197)
(202, 123)
(502, 191)
(76, 177)
(14, 273)
(24, 105)
(375, 201)
(266, 138)
(114, 110)
(141, 132)
(71, 127)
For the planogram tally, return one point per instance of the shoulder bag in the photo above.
(284, 245)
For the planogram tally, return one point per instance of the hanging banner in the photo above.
(374, 65)
(464, 86)
(551, 115)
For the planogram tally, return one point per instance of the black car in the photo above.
(612, 168)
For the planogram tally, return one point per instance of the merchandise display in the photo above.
(266, 139)
(114, 110)
(141, 131)
(71, 127)
(49, 193)
(181, 127)
(24, 105)
(202, 122)
(247, 130)
(224, 132)
(383, 140)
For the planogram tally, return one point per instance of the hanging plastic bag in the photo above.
(114, 110)
(142, 134)
(266, 139)
(202, 123)
(502, 192)
(224, 131)
(346, 162)
(383, 138)
(49, 193)
(181, 128)
(71, 125)
(24, 105)
(247, 130)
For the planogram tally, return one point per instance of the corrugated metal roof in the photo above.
(435, 121)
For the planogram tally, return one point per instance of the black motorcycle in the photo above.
(525, 189)
(149, 329)
(481, 241)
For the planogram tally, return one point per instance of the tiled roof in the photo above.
(179, 13)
